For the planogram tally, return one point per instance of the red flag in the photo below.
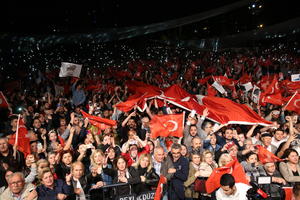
(266, 156)
(159, 189)
(166, 125)
(223, 80)
(288, 193)
(204, 80)
(23, 142)
(245, 79)
(134, 100)
(94, 119)
(273, 88)
(226, 111)
(234, 168)
(3, 101)
(294, 103)
(275, 99)
(211, 91)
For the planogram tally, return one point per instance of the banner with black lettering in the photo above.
(143, 196)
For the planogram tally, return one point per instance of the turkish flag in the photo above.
(135, 100)
(290, 87)
(266, 156)
(23, 142)
(226, 111)
(234, 168)
(3, 101)
(288, 193)
(211, 91)
(204, 80)
(294, 103)
(245, 79)
(167, 125)
(275, 99)
(94, 119)
(141, 87)
(159, 189)
(273, 87)
(225, 81)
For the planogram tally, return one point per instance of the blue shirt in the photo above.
(78, 96)
(45, 193)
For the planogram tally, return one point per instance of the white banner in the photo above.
(248, 86)
(295, 77)
(255, 94)
(218, 87)
(70, 69)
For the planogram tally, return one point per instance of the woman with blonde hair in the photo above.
(149, 178)
(224, 159)
(97, 161)
(207, 164)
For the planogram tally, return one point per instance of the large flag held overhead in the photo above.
(234, 168)
(20, 138)
(96, 121)
(226, 111)
(70, 69)
(3, 101)
(167, 125)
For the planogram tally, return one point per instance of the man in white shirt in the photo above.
(230, 190)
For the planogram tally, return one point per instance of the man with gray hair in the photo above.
(180, 173)
(18, 189)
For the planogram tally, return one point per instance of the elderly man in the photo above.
(161, 166)
(6, 154)
(18, 190)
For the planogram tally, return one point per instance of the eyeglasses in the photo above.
(16, 183)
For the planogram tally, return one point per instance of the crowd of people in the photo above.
(73, 158)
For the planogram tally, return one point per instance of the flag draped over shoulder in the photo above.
(234, 168)
(266, 156)
(167, 125)
(21, 139)
(97, 121)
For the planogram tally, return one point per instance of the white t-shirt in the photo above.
(277, 143)
(240, 194)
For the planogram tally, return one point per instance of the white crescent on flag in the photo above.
(175, 125)
(296, 103)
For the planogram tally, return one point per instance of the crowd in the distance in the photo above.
(72, 159)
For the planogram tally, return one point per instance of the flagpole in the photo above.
(290, 100)
(17, 136)
(17, 131)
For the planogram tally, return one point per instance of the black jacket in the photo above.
(151, 180)
(133, 180)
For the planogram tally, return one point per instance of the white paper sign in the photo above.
(248, 86)
(255, 94)
(218, 87)
(70, 69)
(295, 77)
